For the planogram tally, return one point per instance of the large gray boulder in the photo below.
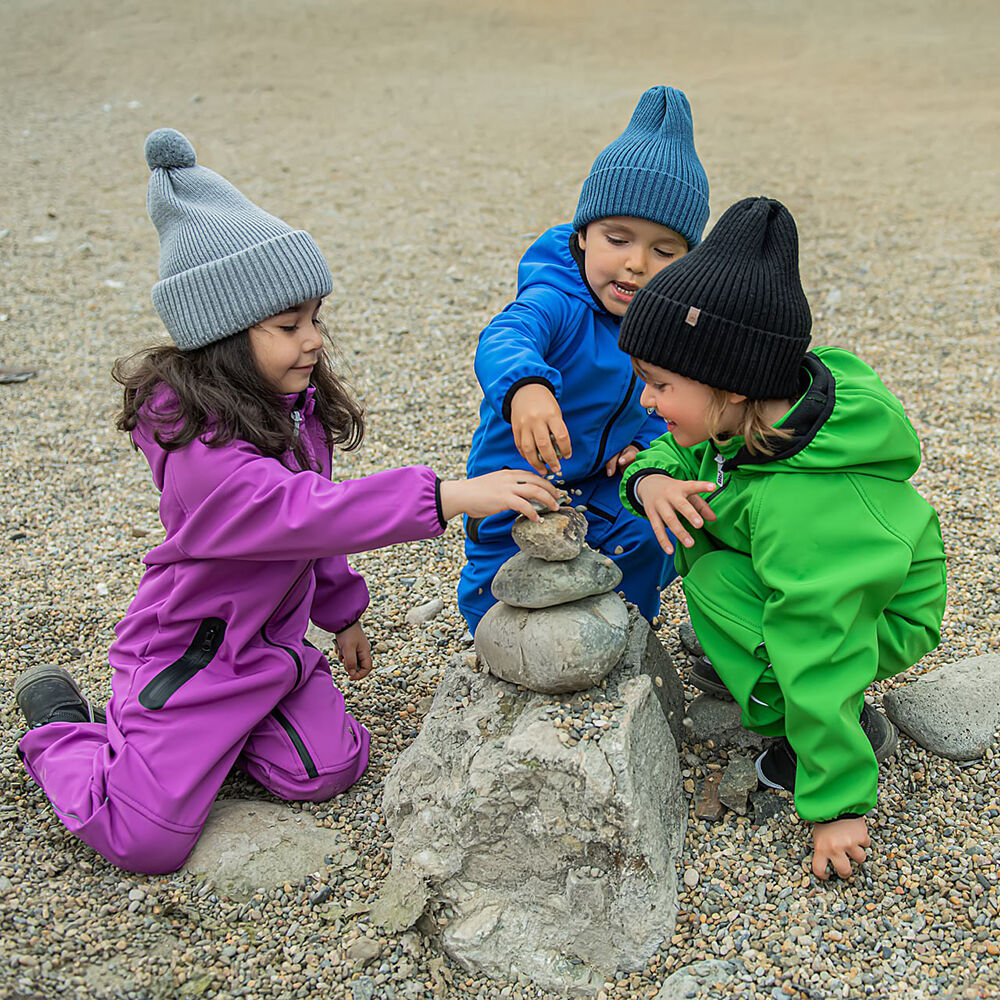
(526, 582)
(567, 648)
(544, 851)
(952, 711)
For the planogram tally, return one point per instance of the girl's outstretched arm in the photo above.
(506, 489)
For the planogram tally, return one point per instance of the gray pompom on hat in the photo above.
(225, 264)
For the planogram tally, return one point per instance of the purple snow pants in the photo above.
(139, 790)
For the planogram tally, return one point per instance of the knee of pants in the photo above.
(629, 541)
(475, 594)
(312, 783)
(131, 841)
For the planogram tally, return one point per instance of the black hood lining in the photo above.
(818, 396)
(580, 257)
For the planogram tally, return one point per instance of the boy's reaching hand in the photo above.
(539, 431)
(354, 651)
(667, 500)
(618, 462)
(839, 842)
(506, 489)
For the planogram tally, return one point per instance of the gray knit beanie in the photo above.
(225, 264)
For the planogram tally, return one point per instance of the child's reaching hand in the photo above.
(663, 499)
(839, 842)
(354, 651)
(506, 489)
(539, 431)
(618, 462)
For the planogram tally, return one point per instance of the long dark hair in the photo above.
(220, 395)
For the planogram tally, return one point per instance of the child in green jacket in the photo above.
(818, 568)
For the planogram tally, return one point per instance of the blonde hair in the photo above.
(760, 437)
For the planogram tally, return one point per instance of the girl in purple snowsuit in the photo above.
(211, 665)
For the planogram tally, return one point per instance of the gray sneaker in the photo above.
(880, 731)
(48, 693)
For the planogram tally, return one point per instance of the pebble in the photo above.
(908, 241)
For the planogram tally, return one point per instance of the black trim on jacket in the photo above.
(813, 409)
(508, 399)
(580, 256)
(196, 657)
(437, 502)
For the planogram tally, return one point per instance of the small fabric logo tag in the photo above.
(692, 317)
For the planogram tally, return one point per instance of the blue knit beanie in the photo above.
(225, 264)
(651, 171)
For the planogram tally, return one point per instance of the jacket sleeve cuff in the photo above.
(847, 815)
(508, 398)
(437, 502)
(630, 485)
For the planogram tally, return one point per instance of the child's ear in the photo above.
(581, 238)
(735, 398)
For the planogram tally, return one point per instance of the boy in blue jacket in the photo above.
(557, 392)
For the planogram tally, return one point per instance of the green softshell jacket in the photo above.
(836, 533)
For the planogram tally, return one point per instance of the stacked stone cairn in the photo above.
(558, 625)
(538, 818)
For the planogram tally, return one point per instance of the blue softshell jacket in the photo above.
(558, 334)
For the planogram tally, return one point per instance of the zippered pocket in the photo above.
(196, 657)
(297, 742)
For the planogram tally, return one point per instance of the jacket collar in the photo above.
(580, 258)
(304, 402)
(819, 392)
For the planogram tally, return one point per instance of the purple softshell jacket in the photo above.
(211, 668)
(261, 548)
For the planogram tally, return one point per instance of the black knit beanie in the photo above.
(731, 313)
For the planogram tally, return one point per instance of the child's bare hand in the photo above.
(839, 842)
(539, 431)
(507, 489)
(618, 462)
(354, 651)
(667, 500)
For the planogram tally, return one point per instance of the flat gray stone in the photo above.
(249, 845)
(689, 638)
(526, 582)
(710, 977)
(738, 781)
(558, 536)
(714, 719)
(567, 648)
(952, 711)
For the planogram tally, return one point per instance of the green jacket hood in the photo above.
(844, 421)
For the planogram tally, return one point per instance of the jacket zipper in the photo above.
(277, 645)
(720, 480)
(607, 427)
(297, 742)
(196, 657)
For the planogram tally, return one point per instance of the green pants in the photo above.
(726, 601)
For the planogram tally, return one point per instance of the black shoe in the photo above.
(776, 766)
(689, 639)
(703, 676)
(880, 731)
(47, 693)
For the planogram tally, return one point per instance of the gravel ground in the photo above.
(422, 144)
